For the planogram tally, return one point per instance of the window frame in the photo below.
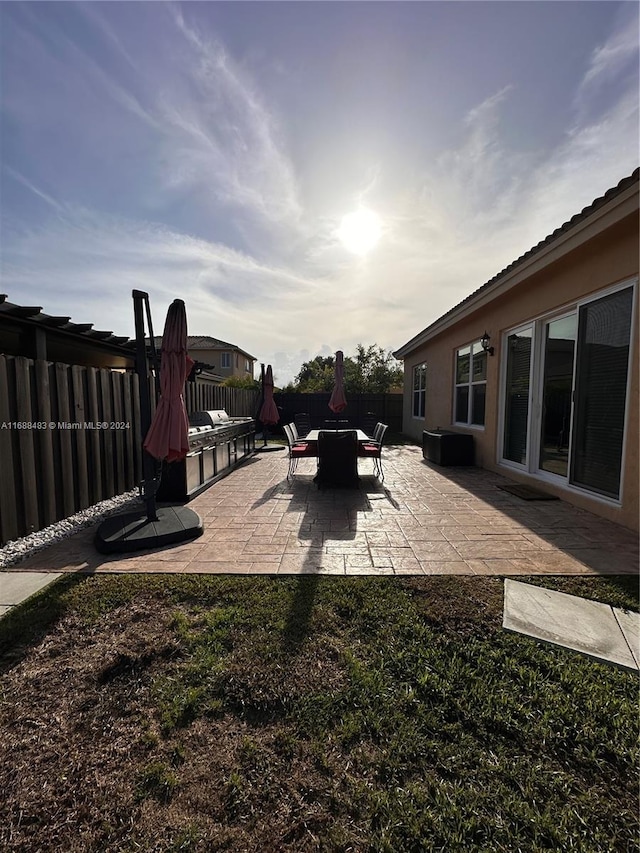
(475, 349)
(419, 394)
(225, 361)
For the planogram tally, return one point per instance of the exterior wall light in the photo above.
(484, 343)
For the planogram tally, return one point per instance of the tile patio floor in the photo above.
(425, 520)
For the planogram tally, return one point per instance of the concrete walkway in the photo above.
(16, 587)
(608, 634)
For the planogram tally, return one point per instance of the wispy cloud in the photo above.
(616, 55)
(201, 141)
(48, 199)
(86, 254)
(222, 128)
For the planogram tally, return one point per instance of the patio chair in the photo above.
(369, 422)
(303, 423)
(373, 450)
(297, 450)
(294, 434)
(337, 459)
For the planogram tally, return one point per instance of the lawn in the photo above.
(208, 713)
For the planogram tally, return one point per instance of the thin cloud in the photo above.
(90, 12)
(219, 118)
(619, 51)
(48, 199)
(64, 53)
(84, 253)
(218, 154)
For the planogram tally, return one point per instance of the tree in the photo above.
(372, 370)
(376, 371)
(241, 382)
(316, 375)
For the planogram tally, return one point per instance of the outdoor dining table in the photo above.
(338, 460)
(312, 436)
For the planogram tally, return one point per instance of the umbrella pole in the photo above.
(148, 465)
(264, 429)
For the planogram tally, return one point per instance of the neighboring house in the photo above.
(223, 359)
(554, 402)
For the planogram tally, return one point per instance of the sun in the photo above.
(360, 231)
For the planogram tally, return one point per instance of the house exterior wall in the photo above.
(608, 258)
(214, 358)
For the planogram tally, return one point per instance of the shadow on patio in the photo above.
(425, 520)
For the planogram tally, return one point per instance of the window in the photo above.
(471, 385)
(247, 366)
(226, 359)
(419, 390)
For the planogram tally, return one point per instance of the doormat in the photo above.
(528, 493)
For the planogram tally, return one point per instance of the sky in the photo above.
(211, 150)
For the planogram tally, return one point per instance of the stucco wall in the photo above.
(214, 358)
(604, 261)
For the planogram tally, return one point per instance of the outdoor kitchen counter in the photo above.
(217, 443)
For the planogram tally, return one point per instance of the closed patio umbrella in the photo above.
(168, 436)
(268, 415)
(167, 439)
(338, 401)
(269, 412)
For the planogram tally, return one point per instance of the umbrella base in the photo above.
(133, 531)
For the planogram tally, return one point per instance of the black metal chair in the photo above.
(303, 423)
(379, 430)
(294, 432)
(297, 450)
(373, 450)
(337, 459)
(369, 422)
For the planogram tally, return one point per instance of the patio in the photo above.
(424, 520)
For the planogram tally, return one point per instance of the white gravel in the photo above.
(20, 549)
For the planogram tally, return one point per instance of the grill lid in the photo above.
(213, 417)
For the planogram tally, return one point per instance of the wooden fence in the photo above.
(70, 437)
(386, 408)
(203, 395)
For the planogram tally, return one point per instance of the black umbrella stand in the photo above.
(152, 527)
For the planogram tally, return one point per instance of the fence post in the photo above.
(80, 436)
(8, 510)
(95, 439)
(64, 435)
(45, 438)
(27, 449)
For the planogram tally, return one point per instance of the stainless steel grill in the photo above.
(217, 443)
(216, 422)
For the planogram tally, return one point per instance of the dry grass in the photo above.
(210, 714)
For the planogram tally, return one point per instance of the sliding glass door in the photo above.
(604, 332)
(518, 384)
(565, 392)
(556, 393)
